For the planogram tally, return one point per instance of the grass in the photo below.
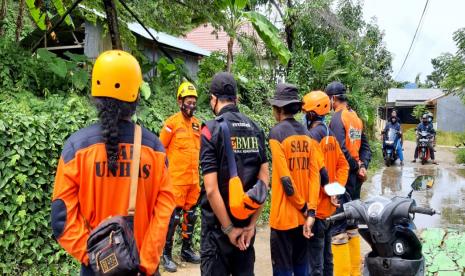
(460, 156)
(377, 156)
(443, 138)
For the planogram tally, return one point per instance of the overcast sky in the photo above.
(399, 19)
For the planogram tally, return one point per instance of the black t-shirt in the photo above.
(248, 142)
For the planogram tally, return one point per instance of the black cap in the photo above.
(285, 94)
(224, 85)
(335, 88)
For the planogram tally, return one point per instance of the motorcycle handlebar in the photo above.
(423, 210)
(336, 217)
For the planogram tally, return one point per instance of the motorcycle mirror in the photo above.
(423, 182)
(334, 188)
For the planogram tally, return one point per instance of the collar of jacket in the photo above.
(228, 108)
(341, 107)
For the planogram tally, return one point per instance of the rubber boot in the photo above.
(341, 259)
(355, 256)
(168, 263)
(187, 254)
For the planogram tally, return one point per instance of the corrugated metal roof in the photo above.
(167, 39)
(412, 96)
(162, 38)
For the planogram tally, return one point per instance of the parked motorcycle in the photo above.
(390, 146)
(396, 250)
(424, 140)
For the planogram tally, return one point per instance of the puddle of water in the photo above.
(447, 193)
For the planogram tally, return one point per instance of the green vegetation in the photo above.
(377, 159)
(409, 135)
(45, 98)
(444, 251)
(419, 110)
(449, 69)
(460, 156)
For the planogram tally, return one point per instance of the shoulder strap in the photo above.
(135, 169)
(228, 147)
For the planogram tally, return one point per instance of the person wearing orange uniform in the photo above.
(348, 129)
(296, 165)
(92, 181)
(180, 136)
(316, 105)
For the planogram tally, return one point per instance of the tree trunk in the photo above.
(288, 28)
(19, 20)
(3, 9)
(112, 21)
(230, 54)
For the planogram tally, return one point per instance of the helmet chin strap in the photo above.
(311, 118)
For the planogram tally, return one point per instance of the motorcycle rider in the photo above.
(394, 124)
(394, 114)
(425, 125)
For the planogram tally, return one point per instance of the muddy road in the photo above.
(447, 195)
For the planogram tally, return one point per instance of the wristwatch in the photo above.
(310, 213)
(226, 230)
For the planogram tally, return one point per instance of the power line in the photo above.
(413, 40)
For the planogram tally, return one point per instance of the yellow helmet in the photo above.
(186, 89)
(316, 101)
(116, 74)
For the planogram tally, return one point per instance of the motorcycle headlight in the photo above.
(389, 142)
(399, 247)
(375, 209)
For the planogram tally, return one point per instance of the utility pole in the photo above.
(112, 21)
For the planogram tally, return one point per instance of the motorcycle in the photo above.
(424, 140)
(390, 146)
(396, 250)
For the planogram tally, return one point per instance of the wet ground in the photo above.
(447, 195)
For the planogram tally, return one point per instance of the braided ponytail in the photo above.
(110, 112)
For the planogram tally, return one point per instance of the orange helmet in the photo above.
(116, 74)
(316, 101)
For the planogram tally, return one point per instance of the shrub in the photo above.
(43, 73)
(32, 140)
(460, 156)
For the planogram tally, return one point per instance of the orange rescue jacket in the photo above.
(348, 129)
(335, 163)
(86, 192)
(296, 162)
(181, 138)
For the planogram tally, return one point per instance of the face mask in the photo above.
(188, 110)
